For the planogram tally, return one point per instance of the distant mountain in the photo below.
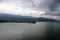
(19, 18)
(41, 19)
(15, 18)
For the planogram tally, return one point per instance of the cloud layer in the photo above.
(44, 8)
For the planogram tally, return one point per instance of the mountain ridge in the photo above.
(19, 18)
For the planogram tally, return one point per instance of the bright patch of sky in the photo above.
(17, 7)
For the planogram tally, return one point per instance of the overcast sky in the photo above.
(36, 8)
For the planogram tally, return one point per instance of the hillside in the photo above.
(19, 18)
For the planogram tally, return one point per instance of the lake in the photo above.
(29, 31)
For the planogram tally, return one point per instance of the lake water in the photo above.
(29, 31)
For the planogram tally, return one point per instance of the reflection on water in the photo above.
(26, 31)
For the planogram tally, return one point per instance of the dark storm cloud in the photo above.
(53, 9)
(52, 6)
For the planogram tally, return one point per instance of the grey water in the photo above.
(29, 31)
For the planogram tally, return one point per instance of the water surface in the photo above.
(28, 31)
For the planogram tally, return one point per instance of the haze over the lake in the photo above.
(36, 8)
